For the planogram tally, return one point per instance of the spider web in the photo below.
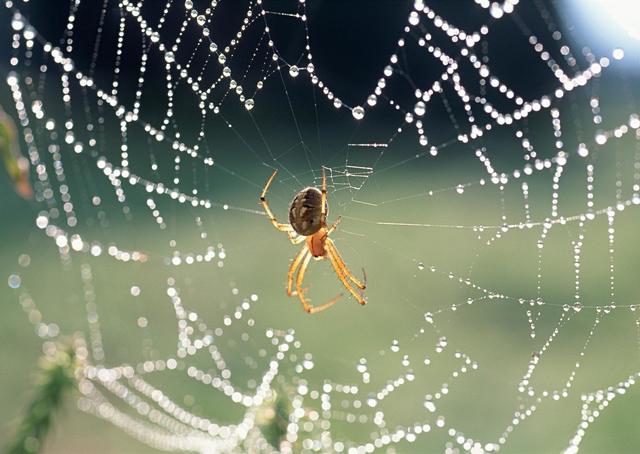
(487, 176)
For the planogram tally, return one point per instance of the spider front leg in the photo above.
(291, 233)
(333, 226)
(307, 306)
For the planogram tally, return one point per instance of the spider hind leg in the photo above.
(308, 307)
(344, 274)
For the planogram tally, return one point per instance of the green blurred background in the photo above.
(494, 333)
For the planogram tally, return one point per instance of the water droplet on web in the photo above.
(135, 290)
(17, 23)
(420, 266)
(460, 189)
(14, 281)
(24, 260)
(414, 19)
(358, 113)
(201, 20)
(395, 346)
(169, 57)
(420, 108)
(583, 151)
(222, 58)
(248, 104)
(429, 406)
(213, 47)
(294, 71)
(372, 100)
(388, 71)
(618, 53)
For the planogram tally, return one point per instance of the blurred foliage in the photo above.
(17, 165)
(273, 417)
(56, 378)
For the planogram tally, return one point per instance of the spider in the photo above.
(308, 223)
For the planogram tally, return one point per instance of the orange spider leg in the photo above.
(333, 226)
(343, 273)
(323, 201)
(293, 236)
(361, 285)
(307, 306)
(293, 268)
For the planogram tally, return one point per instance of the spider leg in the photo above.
(323, 205)
(293, 236)
(334, 226)
(361, 285)
(343, 274)
(294, 267)
(300, 291)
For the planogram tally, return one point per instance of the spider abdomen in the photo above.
(305, 212)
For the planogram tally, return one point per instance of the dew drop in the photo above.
(430, 406)
(294, 71)
(169, 57)
(248, 104)
(372, 100)
(24, 260)
(601, 138)
(17, 23)
(14, 281)
(358, 113)
(420, 266)
(414, 19)
(420, 108)
(618, 53)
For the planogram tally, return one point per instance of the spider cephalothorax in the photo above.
(308, 224)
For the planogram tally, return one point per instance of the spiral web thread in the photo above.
(121, 394)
